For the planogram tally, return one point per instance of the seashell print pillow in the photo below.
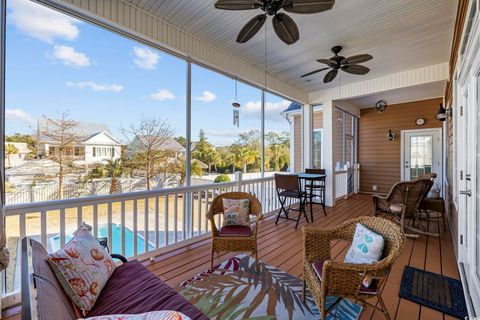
(367, 247)
(153, 315)
(82, 267)
(236, 212)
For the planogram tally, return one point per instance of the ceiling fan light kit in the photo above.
(337, 62)
(284, 26)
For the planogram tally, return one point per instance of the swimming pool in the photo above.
(116, 240)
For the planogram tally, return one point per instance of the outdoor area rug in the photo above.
(235, 291)
(434, 291)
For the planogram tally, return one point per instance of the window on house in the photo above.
(345, 135)
(317, 148)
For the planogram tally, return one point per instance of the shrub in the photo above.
(222, 178)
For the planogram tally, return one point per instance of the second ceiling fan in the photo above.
(337, 62)
(284, 26)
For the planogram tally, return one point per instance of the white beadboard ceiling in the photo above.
(407, 94)
(400, 34)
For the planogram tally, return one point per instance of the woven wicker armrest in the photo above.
(316, 244)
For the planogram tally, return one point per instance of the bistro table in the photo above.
(314, 181)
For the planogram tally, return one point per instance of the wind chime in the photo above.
(236, 106)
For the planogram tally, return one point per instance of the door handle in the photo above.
(468, 177)
(467, 192)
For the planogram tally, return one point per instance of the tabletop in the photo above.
(312, 176)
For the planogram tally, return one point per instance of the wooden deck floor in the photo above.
(281, 246)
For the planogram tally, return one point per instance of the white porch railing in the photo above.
(137, 224)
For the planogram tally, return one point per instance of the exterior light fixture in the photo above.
(390, 135)
(442, 113)
(381, 105)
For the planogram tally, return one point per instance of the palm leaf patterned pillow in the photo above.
(236, 212)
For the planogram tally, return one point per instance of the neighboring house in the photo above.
(169, 144)
(294, 116)
(15, 153)
(95, 143)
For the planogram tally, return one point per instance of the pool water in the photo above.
(116, 240)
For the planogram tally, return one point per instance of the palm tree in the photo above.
(10, 150)
(112, 168)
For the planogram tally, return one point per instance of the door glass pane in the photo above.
(420, 156)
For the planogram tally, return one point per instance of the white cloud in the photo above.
(162, 95)
(95, 86)
(18, 115)
(42, 23)
(145, 58)
(273, 110)
(224, 134)
(70, 57)
(207, 96)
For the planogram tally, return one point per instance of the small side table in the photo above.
(437, 205)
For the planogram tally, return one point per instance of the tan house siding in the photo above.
(297, 122)
(379, 158)
(452, 213)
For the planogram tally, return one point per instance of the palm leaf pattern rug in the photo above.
(235, 291)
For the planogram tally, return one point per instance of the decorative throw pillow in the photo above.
(83, 268)
(236, 212)
(367, 247)
(153, 315)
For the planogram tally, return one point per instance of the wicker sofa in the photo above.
(131, 289)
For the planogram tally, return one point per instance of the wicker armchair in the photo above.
(344, 280)
(403, 201)
(231, 241)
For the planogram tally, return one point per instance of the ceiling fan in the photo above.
(337, 62)
(284, 26)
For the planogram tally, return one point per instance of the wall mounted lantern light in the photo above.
(390, 135)
(442, 113)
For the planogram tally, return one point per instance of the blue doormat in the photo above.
(434, 291)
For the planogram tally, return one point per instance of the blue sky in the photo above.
(56, 63)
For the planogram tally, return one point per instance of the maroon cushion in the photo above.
(318, 268)
(235, 231)
(133, 289)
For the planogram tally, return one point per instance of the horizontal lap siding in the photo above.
(379, 158)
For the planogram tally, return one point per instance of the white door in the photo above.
(469, 188)
(422, 153)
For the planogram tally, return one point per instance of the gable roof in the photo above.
(84, 130)
(293, 107)
(169, 144)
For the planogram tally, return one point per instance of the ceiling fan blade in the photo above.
(327, 62)
(330, 76)
(285, 28)
(307, 6)
(355, 69)
(313, 72)
(359, 58)
(236, 4)
(251, 28)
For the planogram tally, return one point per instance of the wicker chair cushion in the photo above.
(83, 268)
(235, 231)
(367, 246)
(236, 212)
(318, 268)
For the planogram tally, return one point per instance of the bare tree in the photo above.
(63, 135)
(147, 141)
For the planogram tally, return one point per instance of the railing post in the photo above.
(238, 179)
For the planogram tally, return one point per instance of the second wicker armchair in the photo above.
(234, 238)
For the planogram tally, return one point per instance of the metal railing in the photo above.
(138, 225)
